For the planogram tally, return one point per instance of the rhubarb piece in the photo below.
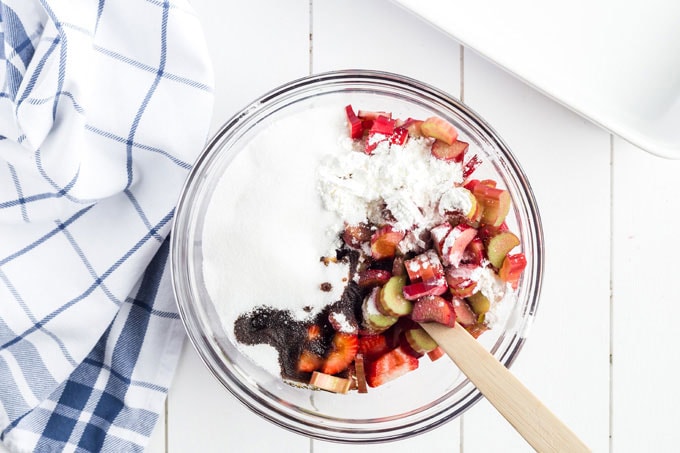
(360, 372)
(439, 129)
(373, 320)
(343, 323)
(356, 129)
(329, 383)
(384, 242)
(372, 346)
(464, 314)
(419, 289)
(479, 303)
(355, 235)
(496, 203)
(434, 309)
(343, 350)
(419, 340)
(477, 329)
(436, 354)
(499, 246)
(461, 279)
(391, 300)
(372, 115)
(450, 152)
(399, 136)
(390, 366)
(413, 127)
(471, 165)
(455, 243)
(512, 268)
(474, 252)
(383, 125)
(425, 267)
(309, 362)
(370, 278)
(373, 139)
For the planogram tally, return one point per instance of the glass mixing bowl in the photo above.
(419, 401)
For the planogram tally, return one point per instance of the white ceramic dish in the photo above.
(616, 62)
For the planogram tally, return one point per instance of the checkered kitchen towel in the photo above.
(104, 106)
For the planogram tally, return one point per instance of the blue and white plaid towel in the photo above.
(104, 106)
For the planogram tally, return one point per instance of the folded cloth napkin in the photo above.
(104, 106)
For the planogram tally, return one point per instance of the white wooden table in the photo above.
(602, 353)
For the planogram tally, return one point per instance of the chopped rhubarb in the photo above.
(391, 300)
(373, 277)
(461, 279)
(399, 136)
(455, 243)
(450, 152)
(512, 268)
(496, 203)
(356, 129)
(474, 252)
(417, 290)
(464, 314)
(329, 383)
(439, 129)
(360, 371)
(384, 242)
(383, 125)
(471, 165)
(499, 246)
(436, 354)
(355, 235)
(434, 309)
(426, 267)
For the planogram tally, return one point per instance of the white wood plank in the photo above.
(379, 35)
(567, 160)
(646, 364)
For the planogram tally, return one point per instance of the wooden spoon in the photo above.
(540, 427)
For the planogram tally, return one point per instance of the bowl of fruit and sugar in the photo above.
(328, 219)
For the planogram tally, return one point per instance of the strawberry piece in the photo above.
(417, 290)
(425, 267)
(390, 366)
(434, 309)
(512, 268)
(464, 314)
(384, 242)
(343, 350)
(356, 129)
(471, 165)
(373, 277)
(399, 136)
(309, 362)
(373, 346)
(453, 152)
(313, 332)
(383, 125)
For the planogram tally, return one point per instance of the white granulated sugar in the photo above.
(455, 199)
(265, 227)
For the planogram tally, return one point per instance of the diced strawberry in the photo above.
(356, 129)
(419, 289)
(434, 309)
(512, 268)
(313, 332)
(455, 243)
(343, 350)
(384, 242)
(383, 125)
(471, 165)
(309, 362)
(464, 314)
(390, 366)
(460, 279)
(373, 277)
(425, 267)
(372, 346)
(399, 136)
(453, 152)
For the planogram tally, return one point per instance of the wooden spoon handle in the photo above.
(540, 427)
